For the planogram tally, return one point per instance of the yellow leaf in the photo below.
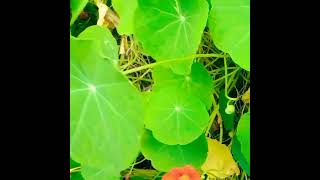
(246, 97)
(219, 163)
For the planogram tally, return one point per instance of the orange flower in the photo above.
(184, 173)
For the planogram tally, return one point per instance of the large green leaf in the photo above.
(105, 129)
(237, 154)
(125, 10)
(76, 7)
(198, 83)
(227, 119)
(171, 29)
(175, 117)
(164, 157)
(229, 24)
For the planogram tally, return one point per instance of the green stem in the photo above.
(171, 61)
(226, 80)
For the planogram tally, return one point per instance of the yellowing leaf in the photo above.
(219, 162)
(246, 97)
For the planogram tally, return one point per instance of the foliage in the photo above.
(159, 84)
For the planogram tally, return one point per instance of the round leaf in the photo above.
(199, 83)
(125, 9)
(229, 24)
(104, 127)
(171, 29)
(175, 117)
(164, 157)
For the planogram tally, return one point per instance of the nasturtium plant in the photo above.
(198, 82)
(96, 97)
(175, 117)
(229, 24)
(169, 29)
(161, 106)
(76, 7)
(164, 156)
(125, 10)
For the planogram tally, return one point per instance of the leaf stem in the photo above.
(172, 61)
(226, 80)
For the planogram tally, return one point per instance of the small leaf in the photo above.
(229, 24)
(104, 128)
(76, 7)
(219, 162)
(170, 29)
(164, 157)
(198, 83)
(125, 9)
(227, 119)
(175, 117)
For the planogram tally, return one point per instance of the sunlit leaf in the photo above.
(164, 157)
(171, 29)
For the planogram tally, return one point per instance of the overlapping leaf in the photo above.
(199, 83)
(171, 29)
(175, 117)
(125, 9)
(229, 24)
(164, 157)
(105, 119)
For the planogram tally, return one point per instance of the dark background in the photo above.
(35, 85)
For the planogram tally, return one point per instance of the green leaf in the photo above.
(199, 83)
(229, 24)
(109, 173)
(243, 135)
(76, 7)
(237, 154)
(125, 9)
(104, 128)
(164, 157)
(107, 44)
(227, 119)
(169, 29)
(175, 117)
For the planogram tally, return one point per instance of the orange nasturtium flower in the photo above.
(184, 173)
